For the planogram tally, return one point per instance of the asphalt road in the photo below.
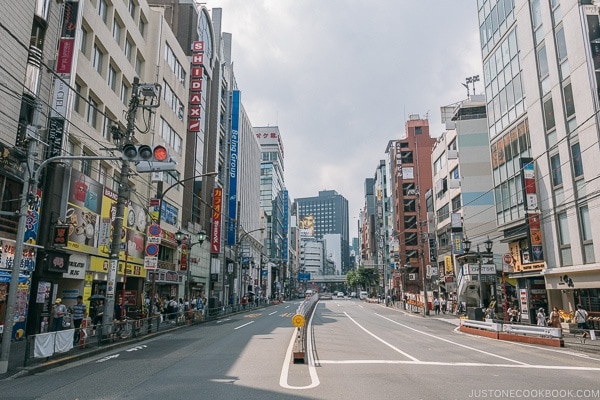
(359, 351)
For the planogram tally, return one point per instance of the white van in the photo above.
(363, 295)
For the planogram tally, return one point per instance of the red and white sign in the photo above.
(507, 257)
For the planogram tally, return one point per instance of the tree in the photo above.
(368, 277)
(353, 279)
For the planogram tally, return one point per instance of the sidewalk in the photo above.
(572, 341)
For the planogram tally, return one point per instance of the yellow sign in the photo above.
(298, 320)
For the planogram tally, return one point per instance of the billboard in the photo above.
(307, 226)
(215, 230)
(233, 167)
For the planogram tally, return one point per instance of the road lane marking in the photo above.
(274, 312)
(312, 370)
(451, 342)
(461, 364)
(391, 346)
(246, 324)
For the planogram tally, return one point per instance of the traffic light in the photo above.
(149, 159)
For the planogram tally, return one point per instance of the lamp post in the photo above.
(161, 196)
(488, 247)
(179, 237)
(239, 242)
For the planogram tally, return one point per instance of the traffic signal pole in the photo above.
(122, 196)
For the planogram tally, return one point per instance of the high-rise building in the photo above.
(463, 200)
(274, 203)
(325, 214)
(410, 179)
(540, 70)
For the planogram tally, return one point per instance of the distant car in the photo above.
(353, 295)
(363, 295)
(325, 296)
(340, 295)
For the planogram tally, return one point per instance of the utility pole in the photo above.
(123, 195)
(29, 164)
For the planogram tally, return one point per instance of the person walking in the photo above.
(58, 312)
(554, 318)
(581, 317)
(79, 313)
(436, 306)
(99, 314)
(541, 317)
(444, 306)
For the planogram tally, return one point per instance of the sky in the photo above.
(341, 77)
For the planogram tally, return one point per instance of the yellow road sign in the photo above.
(298, 320)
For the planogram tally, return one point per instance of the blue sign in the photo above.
(233, 167)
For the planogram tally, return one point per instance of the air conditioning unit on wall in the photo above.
(412, 277)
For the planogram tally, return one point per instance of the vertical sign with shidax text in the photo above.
(233, 167)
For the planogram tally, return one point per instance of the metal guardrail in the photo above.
(541, 331)
(305, 309)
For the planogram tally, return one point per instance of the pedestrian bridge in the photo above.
(327, 278)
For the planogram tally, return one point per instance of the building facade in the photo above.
(542, 105)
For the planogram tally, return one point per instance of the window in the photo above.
(569, 103)
(561, 45)
(102, 174)
(116, 31)
(97, 57)
(84, 41)
(132, 8)
(443, 213)
(142, 26)
(454, 174)
(456, 203)
(128, 49)
(92, 113)
(103, 10)
(549, 115)
(576, 159)
(586, 235)
(556, 170)
(86, 165)
(170, 136)
(138, 66)
(452, 145)
(77, 98)
(418, 130)
(112, 78)
(124, 93)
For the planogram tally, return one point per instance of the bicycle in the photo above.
(123, 329)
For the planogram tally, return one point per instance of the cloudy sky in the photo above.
(341, 77)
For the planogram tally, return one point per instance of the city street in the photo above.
(359, 350)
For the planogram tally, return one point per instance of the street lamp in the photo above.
(161, 196)
(239, 242)
(488, 247)
(179, 237)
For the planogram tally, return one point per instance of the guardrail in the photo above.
(305, 309)
(542, 331)
(485, 325)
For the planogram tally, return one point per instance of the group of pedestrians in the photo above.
(440, 304)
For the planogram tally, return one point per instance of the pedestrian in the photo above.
(436, 306)
(58, 312)
(514, 316)
(99, 314)
(581, 317)
(554, 318)
(79, 313)
(541, 317)
(444, 306)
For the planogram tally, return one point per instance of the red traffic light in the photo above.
(161, 153)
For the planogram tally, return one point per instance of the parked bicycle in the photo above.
(122, 329)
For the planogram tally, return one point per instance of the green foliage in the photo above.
(363, 277)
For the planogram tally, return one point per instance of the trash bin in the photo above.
(475, 313)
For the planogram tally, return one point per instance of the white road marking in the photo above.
(223, 320)
(246, 324)
(274, 312)
(450, 341)
(107, 358)
(458, 364)
(312, 370)
(391, 346)
(136, 348)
